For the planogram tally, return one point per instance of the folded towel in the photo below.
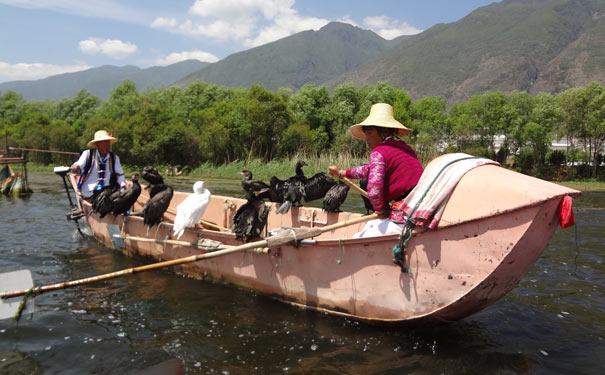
(427, 200)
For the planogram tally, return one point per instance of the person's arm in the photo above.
(120, 171)
(357, 173)
(376, 171)
(78, 166)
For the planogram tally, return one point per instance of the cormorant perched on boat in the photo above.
(102, 202)
(159, 200)
(260, 187)
(189, 211)
(363, 183)
(250, 219)
(317, 186)
(152, 175)
(309, 189)
(291, 190)
(335, 197)
(125, 199)
(278, 189)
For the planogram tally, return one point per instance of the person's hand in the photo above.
(334, 170)
(75, 168)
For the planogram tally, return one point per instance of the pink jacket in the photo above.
(393, 171)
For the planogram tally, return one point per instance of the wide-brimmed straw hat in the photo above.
(381, 114)
(101, 135)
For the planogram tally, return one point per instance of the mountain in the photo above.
(101, 81)
(525, 45)
(306, 57)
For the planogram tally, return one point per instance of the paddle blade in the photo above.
(15, 280)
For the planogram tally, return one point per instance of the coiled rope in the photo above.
(410, 223)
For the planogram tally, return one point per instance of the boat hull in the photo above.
(457, 269)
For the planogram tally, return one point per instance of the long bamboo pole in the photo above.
(284, 237)
(354, 186)
(38, 150)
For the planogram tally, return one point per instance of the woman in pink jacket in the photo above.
(393, 170)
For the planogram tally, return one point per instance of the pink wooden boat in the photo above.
(495, 226)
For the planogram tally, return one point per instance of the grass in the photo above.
(284, 168)
(591, 185)
(281, 168)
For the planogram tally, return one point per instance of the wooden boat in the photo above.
(495, 226)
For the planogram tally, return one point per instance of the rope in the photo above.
(19, 311)
(410, 223)
(294, 235)
(575, 259)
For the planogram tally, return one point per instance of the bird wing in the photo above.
(189, 211)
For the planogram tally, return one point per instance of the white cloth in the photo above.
(429, 210)
(91, 181)
(378, 227)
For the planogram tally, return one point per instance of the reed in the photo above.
(281, 168)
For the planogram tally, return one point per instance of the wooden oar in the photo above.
(354, 186)
(204, 244)
(286, 236)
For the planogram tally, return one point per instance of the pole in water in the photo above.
(62, 171)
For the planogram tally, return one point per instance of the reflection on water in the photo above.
(552, 323)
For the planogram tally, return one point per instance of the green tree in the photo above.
(430, 127)
(487, 115)
(10, 108)
(574, 105)
(81, 107)
(61, 137)
(269, 117)
(595, 126)
(124, 102)
(32, 132)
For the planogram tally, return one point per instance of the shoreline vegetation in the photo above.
(214, 129)
(283, 168)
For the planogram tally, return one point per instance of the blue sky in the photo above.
(40, 38)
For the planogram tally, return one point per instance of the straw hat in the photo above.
(381, 114)
(101, 135)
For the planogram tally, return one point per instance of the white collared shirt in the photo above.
(91, 181)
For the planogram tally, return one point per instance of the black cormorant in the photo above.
(125, 199)
(102, 202)
(250, 219)
(363, 183)
(159, 200)
(309, 189)
(152, 175)
(335, 197)
(261, 188)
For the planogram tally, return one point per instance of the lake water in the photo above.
(552, 323)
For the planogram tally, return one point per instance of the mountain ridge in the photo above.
(100, 81)
(511, 45)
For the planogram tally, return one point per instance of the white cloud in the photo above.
(23, 71)
(389, 28)
(347, 19)
(115, 49)
(250, 22)
(285, 24)
(162, 22)
(186, 55)
(110, 9)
